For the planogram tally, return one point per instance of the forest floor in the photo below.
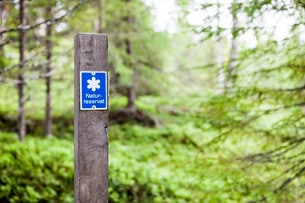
(172, 162)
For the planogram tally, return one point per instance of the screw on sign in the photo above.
(93, 90)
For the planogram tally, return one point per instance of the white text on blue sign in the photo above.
(93, 90)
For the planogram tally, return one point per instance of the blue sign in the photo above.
(93, 90)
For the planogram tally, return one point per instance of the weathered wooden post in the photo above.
(91, 118)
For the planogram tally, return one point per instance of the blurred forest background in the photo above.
(206, 99)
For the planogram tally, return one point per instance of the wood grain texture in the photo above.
(90, 127)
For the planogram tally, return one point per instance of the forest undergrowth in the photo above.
(173, 162)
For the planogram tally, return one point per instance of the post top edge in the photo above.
(99, 34)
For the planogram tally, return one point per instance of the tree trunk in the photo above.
(220, 65)
(101, 16)
(21, 80)
(221, 73)
(3, 17)
(48, 45)
(232, 66)
(131, 93)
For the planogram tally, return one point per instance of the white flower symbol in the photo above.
(93, 84)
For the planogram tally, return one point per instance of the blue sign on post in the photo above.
(93, 90)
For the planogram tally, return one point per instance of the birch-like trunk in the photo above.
(21, 79)
(48, 46)
(3, 17)
(232, 66)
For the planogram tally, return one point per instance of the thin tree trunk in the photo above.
(221, 79)
(131, 93)
(101, 16)
(232, 66)
(220, 65)
(21, 80)
(48, 45)
(3, 17)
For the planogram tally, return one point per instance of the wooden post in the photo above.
(90, 126)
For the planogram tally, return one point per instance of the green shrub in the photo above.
(38, 170)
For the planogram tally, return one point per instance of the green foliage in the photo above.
(267, 103)
(36, 171)
(171, 163)
(243, 145)
(300, 3)
(132, 22)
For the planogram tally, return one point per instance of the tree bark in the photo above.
(131, 93)
(101, 16)
(221, 73)
(220, 65)
(232, 66)
(48, 46)
(21, 79)
(3, 17)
